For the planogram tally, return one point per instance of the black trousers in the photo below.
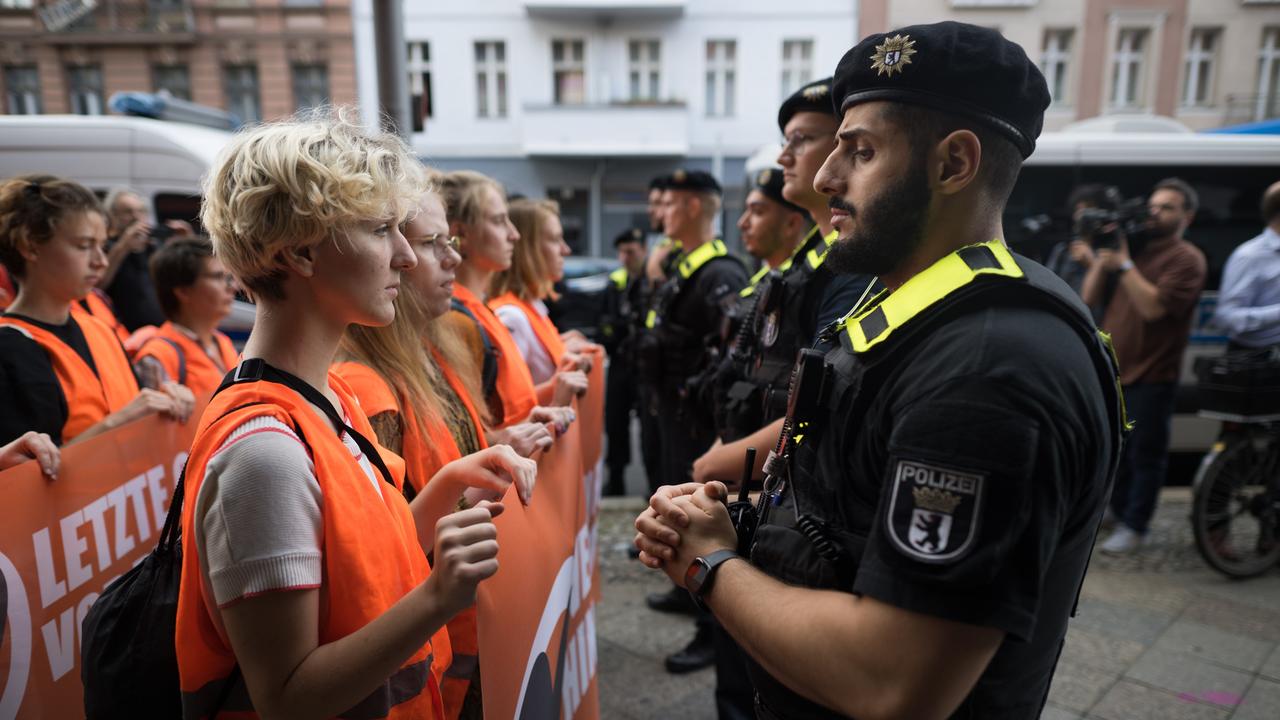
(650, 437)
(619, 400)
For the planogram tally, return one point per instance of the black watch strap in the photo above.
(712, 563)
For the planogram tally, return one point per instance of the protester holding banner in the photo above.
(32, 446)
(63, 374)
(306, 590)
(518, 294)
(195, 293)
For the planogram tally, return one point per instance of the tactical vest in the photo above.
(756, 390)
(805, 535)
(666, 349)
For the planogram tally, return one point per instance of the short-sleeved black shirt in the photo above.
(133, 294)
(999, 415)
(29, 389)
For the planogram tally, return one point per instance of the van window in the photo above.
(177, 206)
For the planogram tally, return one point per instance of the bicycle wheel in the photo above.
(1234, 514)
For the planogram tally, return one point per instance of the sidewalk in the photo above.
(1159, 636)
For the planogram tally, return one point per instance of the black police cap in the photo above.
(660, 182)
(814, 97)
(769, 183)
(630, 235)
(693, 181)
(953, 67)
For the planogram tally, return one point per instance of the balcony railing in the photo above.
(615, 8)
(614, 130)
(109, 19)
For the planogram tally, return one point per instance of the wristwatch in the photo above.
(1126, 266)
(701, 574)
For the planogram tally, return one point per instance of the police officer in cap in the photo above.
(621, 311)
(927, 527)
(801, 299)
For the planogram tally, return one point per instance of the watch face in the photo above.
(695, 574)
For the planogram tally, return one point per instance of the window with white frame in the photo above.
(418, 64)
(1055, 63)
(644, 62)
(1127, 68)
(797, 65)
(310, 85)
(240, 83)
(174, 79)
(1197, 74)
(721, 76)
(569, 71)
(491, 79)
(1268, 103)
(22, 90)
(84, 86)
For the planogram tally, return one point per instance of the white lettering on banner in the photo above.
(51, 588)
(19, 636)
(60, 643)
(73, 548)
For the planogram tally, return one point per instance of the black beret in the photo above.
(769, 182)
(814, 97)
(630, 235)
(953, 67)
(692, 181)
(660, 182)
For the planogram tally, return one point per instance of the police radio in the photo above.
(742, 512)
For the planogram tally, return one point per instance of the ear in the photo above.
(182, 293)
(301, 260)
(956, 161)
(26, 249)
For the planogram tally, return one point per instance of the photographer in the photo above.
(131, 240)
(1158, 278)
(1071, 259)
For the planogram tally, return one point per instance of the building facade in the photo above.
(584, 101)
(260, 59)
(1205, 63)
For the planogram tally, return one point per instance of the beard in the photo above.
(889, 228)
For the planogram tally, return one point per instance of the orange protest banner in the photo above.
(538, 657)
(61, 542)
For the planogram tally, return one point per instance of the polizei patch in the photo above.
(933, 511)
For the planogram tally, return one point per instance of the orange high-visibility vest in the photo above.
(515, 384)
(176, 352)
(546, 331)
(423, 459)
(372, 558)
(90, 396)
(97, 305)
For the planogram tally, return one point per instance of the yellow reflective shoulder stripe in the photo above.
(651, 319)
(619, 278)
(1125, 422)
(786, 264)
(815, 258)
(705, 252)
(875, 324)
(750, 289)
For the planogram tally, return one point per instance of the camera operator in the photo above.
(1159, 276)
(1071, 259)
(131, 240)
(1249, 301)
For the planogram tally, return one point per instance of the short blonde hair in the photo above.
(528, 277)
(463, 194)
(297, 182)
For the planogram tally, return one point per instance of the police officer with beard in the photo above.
(928, 521)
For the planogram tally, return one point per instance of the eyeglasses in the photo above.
(223, 277)
(441, 243)
(796, 141)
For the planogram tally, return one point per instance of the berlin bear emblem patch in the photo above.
(933, 511)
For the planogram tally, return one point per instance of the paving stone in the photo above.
(1271, 668)
(1101, 651)
(1056, 713)
(1151, 591)
(1259, 592)
(1262, 702)
(1214, 645)
(631, 686)
(1237, 617)
(1121, 621)
(1128, 700)
(1077, 687)
(1191, 678)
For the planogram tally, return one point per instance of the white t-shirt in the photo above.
(257, 517)
(541, 366)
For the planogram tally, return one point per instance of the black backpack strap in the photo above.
(489, 372)
(182, 358)
(256, 369)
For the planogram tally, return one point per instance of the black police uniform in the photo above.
(958, 441)
(621, 315)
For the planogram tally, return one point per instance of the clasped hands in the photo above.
(684, 522)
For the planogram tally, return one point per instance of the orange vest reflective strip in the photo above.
(90, 396)
(99, 307)
(546, 331)
(372, 558)
(203, 375)
(515, 385)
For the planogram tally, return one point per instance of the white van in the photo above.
(162, 161)
(1229, 172)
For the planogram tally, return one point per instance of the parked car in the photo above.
(582, 294)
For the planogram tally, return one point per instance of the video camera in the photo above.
(1104, 226)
